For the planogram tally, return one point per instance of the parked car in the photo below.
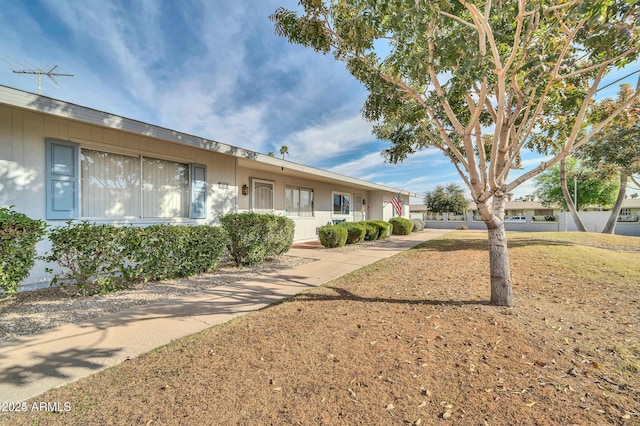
(516, 219)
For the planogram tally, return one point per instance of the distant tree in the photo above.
(449, 199)
(284, 150)
(271, 154)
(615, 150)
(592, 188)
(634, 195)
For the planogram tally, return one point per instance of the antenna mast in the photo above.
(39, 73)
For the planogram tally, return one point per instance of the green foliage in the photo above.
(87, 252)
(371, 231)
(418, 225)
(167, 251)
(111, 256)
(253, 237)
(382, 227)
(462, 228)
(332, 236)
(449, 199)
(355, 231)
(593, 188)
(18, 237)
(401, 226)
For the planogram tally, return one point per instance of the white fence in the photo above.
(593, 221)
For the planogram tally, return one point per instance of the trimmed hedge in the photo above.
(332, 236)
(355, 231)
(253, 236)
(112, 256)
(371, 231)
(19, 235)
(382, 228)
(418, 225)
(401, 226)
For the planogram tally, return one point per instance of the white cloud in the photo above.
(329, 139)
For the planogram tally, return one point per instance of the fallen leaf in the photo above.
(531, 404)
(540, 363)
(390, 407)
(447, 414)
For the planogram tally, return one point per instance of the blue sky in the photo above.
(214, 69)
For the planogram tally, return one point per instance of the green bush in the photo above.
(332, 236)
(167, 251)
(111, 256)
(19, 235)
(280, 235)
(418, 225)
(382, 227)
(89, 253)
(253, 236)
(355, 231)
(401, 226)
(371, 231)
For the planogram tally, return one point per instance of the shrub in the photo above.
(332, 236)
(253, 236)
(167, 251)
(371, 231)
(88, 253)
(280, 235)
(462, 228)
(110, 256)
(19, 235)
(382, 228)
(355, 232)
(418, 225)
(401, 226)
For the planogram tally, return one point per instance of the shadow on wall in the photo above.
(15, 179)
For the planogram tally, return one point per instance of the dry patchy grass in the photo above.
(408, 340)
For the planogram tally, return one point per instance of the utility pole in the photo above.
(39, 73)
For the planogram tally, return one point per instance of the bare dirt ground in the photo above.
(408, 340)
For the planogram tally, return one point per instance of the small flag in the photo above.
(397, 204)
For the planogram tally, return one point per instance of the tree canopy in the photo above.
(449, 199)
(446, 74)
(593, 189)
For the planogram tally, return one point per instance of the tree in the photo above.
(592, 189)
(284, 150)
(442, 73)
(616, 148)
(449, 199)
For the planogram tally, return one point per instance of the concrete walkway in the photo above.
(35, 364)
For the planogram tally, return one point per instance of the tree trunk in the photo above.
(501, 291)
(610, 227)
(567, 197)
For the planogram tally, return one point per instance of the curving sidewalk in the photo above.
(34, 364)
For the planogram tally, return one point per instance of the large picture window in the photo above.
(114, 185)
(110, 185)
(341, 203)
(299, 201)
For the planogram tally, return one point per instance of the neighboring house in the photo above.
(60, 161)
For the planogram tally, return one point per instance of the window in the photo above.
(341, 203)
(110, 185)
(121, 186)
(165, 188)
(298, 201)
(625, 212)
(262, 191)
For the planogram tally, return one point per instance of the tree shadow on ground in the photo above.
(345, 295)
(53, 365)
(480, 244)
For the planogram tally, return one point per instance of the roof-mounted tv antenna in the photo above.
(40, 73)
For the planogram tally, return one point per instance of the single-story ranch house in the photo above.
(60, 161)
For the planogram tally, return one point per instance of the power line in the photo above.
(40, 73)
